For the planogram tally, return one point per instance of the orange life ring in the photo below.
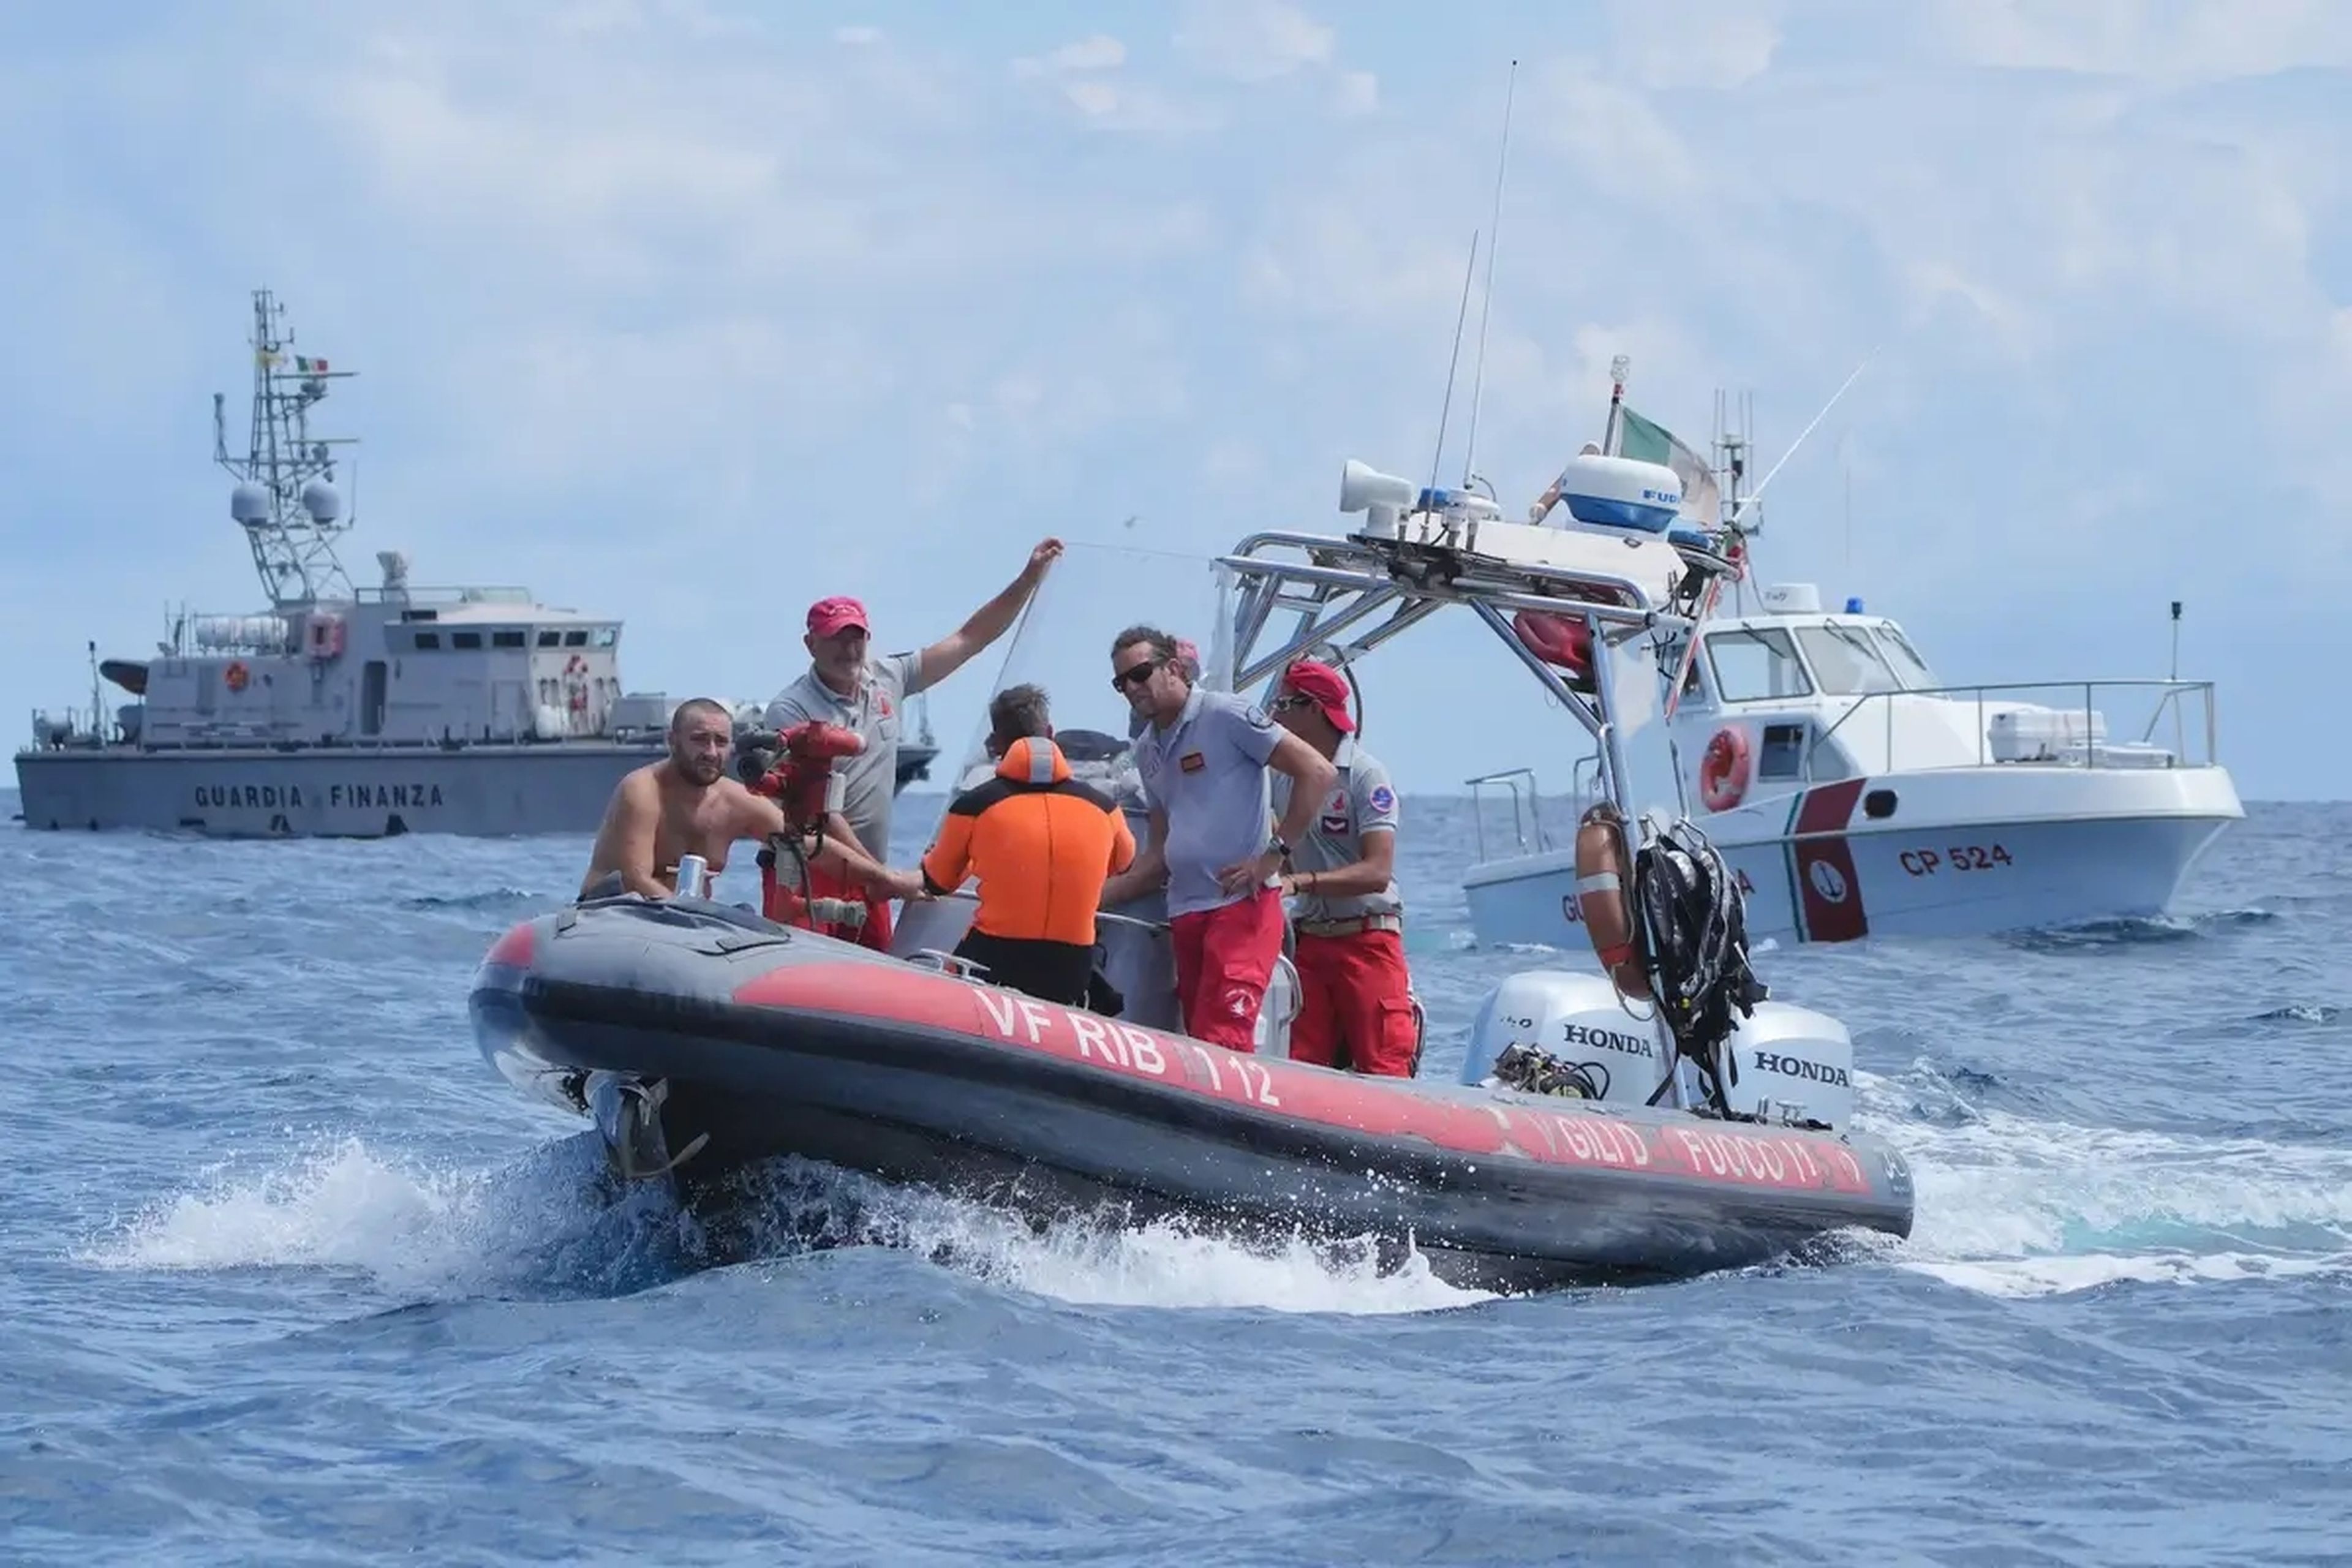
(235, 675)
(1604, 897)
(574, 665)
(1723, 769)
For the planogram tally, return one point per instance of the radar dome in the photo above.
(249, 503)
(322, 501)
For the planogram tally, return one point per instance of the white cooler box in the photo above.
(2043, 734)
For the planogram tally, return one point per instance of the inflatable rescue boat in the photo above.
(701, 1036)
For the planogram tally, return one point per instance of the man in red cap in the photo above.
(1356, 1008)
(847, 685)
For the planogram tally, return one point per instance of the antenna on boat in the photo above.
(2176, 641)
(1437, 458)
(1486, 304)
(286, 499)
(1758, 494)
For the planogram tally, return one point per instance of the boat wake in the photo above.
(2122, 932)
(2014, 1205)
(553, 1225)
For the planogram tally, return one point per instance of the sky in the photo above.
(689, 311)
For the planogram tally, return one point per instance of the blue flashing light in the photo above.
(1853, 604)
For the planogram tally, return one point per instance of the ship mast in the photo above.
(286, 499)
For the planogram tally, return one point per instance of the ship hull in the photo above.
(476, 791)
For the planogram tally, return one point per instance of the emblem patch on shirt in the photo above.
(1335, 813)
(1192, 761)
(1383, 797)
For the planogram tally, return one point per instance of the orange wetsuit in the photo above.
(1042, 845)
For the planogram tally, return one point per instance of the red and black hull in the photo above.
(769, 1042)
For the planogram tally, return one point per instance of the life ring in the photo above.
(574, 665)
(1604, 897)
(1723, 769)
(579, 698)
(1563, 642)
(235, 675)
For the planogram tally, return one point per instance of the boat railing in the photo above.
(1526, 816)
(487, 594)
(1155, 928)
(2189, 705)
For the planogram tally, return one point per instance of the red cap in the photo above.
(1327, 687)
(827, 616)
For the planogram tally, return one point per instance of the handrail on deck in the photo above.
(1520, 821)
(2173, 691)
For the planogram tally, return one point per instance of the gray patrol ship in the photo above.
(350, 712)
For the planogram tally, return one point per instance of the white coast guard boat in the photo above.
(1855, 793)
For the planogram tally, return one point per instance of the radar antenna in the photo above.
(286, 499)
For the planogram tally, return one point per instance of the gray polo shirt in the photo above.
(869, 779)
(1207, 772)
(1361, 800)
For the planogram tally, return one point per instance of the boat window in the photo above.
(464, 639)
(576, 640)
(1908, 665)
(1845, 661)
(605, 635)
(507, 639)
(427, 641)
(1755, 665)
(551, 638)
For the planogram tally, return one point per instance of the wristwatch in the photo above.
(1279, 847)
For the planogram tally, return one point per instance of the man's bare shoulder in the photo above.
(742, 805)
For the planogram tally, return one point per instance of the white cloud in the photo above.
(1096, 53)
(1355, 93)
(2201, 40)
(857, 38)
(1704, 44)
(1252, 40)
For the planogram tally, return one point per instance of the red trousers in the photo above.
(1355, 1007)
(1224, 957)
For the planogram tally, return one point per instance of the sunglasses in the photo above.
(1293, 700)
(1135, 675)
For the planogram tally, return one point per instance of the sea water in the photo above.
(289, 1275)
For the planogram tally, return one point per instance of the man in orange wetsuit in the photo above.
(1042, 845)
(1356, 1008)
(847, 684)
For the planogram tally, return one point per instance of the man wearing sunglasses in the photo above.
(1204, 758)
(1355, 1005)
(847, 685)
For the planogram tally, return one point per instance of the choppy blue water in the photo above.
(288, 1275)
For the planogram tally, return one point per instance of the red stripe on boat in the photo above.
(1828, 886)
(1780, 1158)
(515, 948)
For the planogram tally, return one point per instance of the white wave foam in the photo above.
(1093, 1261)
(345, 1206)
(548, 1218)
(2014, 1206)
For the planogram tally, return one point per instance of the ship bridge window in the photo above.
(1909, 668)
(607, 636)
(549, 637)
(464, 639)
(427, 641)
(576, 640)
(1756, 664)
(507, 639)
(1845, 661)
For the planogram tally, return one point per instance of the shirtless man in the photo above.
(686, 804)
